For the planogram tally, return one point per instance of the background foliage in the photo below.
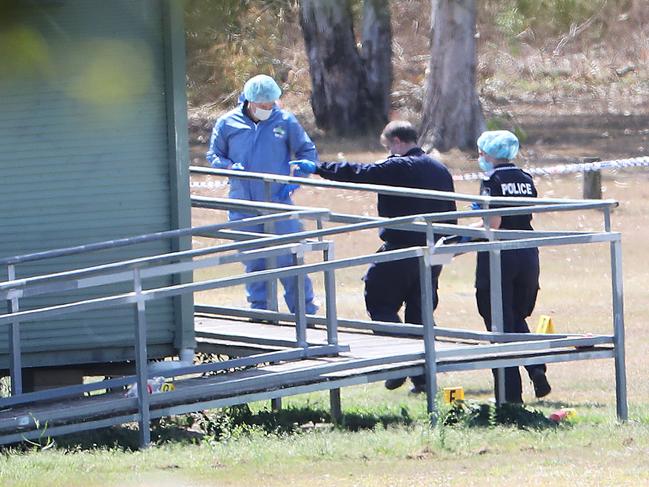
(228, 40)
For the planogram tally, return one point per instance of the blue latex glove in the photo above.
(286, 191)
(476, 206)
(219, 164)
(237, 166)
(303, 167)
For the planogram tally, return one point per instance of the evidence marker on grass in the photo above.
(545, 325)
(453, 394)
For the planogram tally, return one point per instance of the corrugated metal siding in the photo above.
(79, 168)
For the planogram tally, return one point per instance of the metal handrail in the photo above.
(411, 252)
(139, 297)
(572, 205)
(151, 237)
(531, 205)
(79, 279)
(139, 262)
(392, 190)
(365, 224)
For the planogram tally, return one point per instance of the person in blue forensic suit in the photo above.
(258, 136)
(519, 267)
(388, 285)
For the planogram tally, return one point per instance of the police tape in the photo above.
(208, 184)
(534, 171)
(568, 168)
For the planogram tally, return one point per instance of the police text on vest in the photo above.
(516, 188)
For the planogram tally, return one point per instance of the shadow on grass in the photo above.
(126, 437)
(471, 414)
(294, 419)
(219, 425)
(237, 421)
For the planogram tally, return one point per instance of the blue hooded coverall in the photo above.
(266, 146)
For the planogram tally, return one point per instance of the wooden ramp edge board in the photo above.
(333, 383)
(193, 394)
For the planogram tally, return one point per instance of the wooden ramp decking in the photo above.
(221, 335)
(370, 357)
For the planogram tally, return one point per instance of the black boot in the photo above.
(541, 385)
(418, 384)
(394, 383)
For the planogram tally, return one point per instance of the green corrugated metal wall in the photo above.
(84, 154)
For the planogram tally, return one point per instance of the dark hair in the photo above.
(401, 129)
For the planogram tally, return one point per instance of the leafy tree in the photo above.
(230, 40)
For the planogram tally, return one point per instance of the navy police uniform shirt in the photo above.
(509, 180)
(415, 169)
(519, 267)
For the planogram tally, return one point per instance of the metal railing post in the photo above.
(330, 298)
(15, 356)
(607, 219)
(497, 325)
(335, 406)
(276, 404)
(271, 262)
(335, 403)
(428, 323)
(618, 321)
(496, 303)
(300, 305)
(141, 361)
(592, 180)
(618, 330)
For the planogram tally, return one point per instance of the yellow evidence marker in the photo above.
(545, 325)
(452, 394)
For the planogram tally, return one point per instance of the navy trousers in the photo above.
(390, 285)
(520, 286)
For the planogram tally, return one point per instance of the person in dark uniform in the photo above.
(388, 285)
(519, 267)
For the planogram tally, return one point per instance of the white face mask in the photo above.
(261, 114)
(484, 164)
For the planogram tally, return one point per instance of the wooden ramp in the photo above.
(220, 335)
(214, 335)
(369, 357)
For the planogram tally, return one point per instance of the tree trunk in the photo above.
(342, 99)
(377, 55)
(452, 112)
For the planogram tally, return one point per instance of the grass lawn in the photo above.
(593, 450)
